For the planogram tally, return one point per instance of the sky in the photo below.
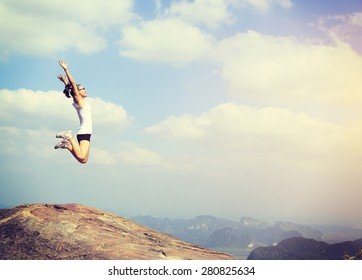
(228, 108)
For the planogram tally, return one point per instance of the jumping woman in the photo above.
(80, 148)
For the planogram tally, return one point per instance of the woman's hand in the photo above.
(62, 79)
(63, 65)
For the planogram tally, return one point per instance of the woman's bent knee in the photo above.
(82, 160)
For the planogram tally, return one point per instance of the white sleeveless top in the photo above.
(85, 118)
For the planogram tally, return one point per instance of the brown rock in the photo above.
(78, 232)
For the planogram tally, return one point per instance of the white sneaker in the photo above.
(66, 134)
(62, 144)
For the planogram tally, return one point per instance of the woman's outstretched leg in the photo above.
(79, 151)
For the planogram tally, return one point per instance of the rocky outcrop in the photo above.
(73, 231)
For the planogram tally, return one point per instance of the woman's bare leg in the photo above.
(79, 151)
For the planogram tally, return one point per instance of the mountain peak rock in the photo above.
(76, 232)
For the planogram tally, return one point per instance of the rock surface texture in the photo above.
(78, 232)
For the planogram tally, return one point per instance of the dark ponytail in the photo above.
(68, 90)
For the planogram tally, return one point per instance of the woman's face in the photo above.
(82, 91)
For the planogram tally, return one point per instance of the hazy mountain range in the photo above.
(239, 238)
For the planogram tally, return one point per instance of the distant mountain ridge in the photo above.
(240, 238)
(299, 248)
(222, 234)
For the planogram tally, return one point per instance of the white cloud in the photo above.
(177, 34)
(30, 120)
(84, 11)
(265, 5)
(38, 27)
(26, 142)
(185, 126)
(269, 157)
(165, 41)
(35, 109)
(345, 27)
(285, 72)
(140, 156)
(232, 135)
(210, 13)
(40, 36)
(39, 144)
(51, 110)
(213, 13)
(108, 115)
(356, 19)
(101, 156)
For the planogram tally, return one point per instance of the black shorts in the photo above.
(82, 137)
